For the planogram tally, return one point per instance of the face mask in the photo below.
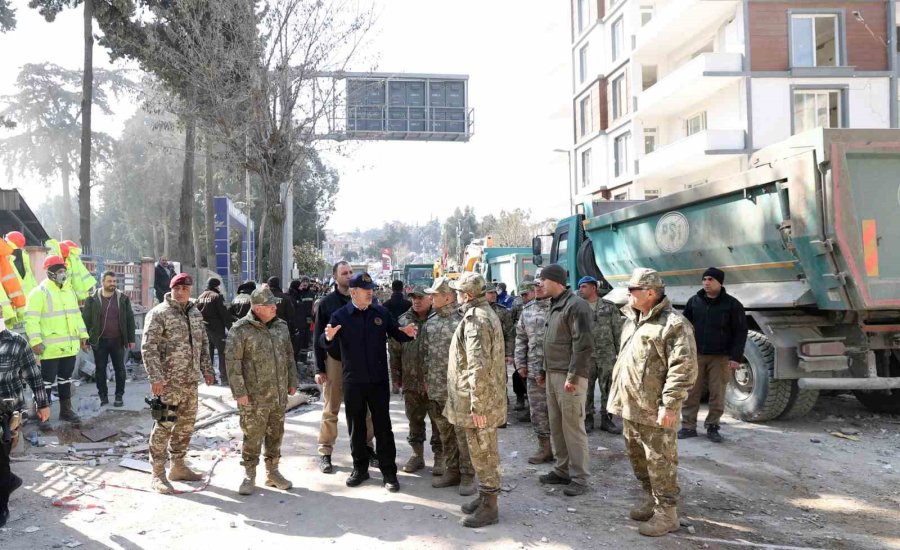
(61, 276)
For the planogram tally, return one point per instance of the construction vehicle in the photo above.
(481, 256)
(418, 275)
(809, 239)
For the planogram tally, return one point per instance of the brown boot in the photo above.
(544, 452)
(415, 462)
(449, 479)
(663, 522)
(181, 472)
(467, 485)
(486, 514)
(67, 414)
(249, 481)
(644, 510)
(159, 483)
(438, 469)
(471, 506)
(274, 477)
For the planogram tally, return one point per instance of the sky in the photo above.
(517, 56)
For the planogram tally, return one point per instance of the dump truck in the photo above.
(809, 239)
(418, 275)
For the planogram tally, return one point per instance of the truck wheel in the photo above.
(753, 395)
(887, 402)
(800, 403)
(587, 262)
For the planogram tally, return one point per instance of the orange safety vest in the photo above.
(9, 278)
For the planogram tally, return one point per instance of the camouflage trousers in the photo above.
(485, 458)
(653, 452)
(174, 437)
(537, 402)
(416, 411)
(453, 441)
(261, 425)
(604, 376)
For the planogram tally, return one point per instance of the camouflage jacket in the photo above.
(530, 336)
(260, 361)
(606, 332)
(439, 329)
(175, 347)
(407, 359)
(516, 309)
(476, 369)
(508, 326)
(657, 364)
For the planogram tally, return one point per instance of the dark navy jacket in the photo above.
(720, 324)
(363, 342)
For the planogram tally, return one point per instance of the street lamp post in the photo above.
(568, 153)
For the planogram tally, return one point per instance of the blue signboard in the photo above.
(235, 244)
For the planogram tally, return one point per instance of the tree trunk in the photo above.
(210, 211)
(197, 252)
(67, 201)
(260, 269)
(186, 204)
(165, 230)
(155, 241)
(87, 97)
(276, 238)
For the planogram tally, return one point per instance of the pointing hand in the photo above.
(331, 331)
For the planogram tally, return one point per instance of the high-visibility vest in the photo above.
(9, 278)
(10, 317)
(54, 320)
(79, 278)
(26, 279)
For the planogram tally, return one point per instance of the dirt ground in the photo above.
(775, 485)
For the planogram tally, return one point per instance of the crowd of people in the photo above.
(451, 349)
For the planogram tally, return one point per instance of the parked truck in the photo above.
(809, 238)
(418, 275)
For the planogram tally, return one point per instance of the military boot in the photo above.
(439, 467)
(588, 424)
(415, 462)
(467, 485)
(607, 424)
(181, 472)
(449, 479)
(663, 522)
(274, 477)
(525, 416)
(644, 510)
(160, 483)
(486, 514)
(249, 481)
(67, 414)
(471, 506)
(520, 403)
(544, 452)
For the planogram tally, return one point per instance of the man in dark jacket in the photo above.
(285, 305)
(720, 330)
(240, 304)
(303, 298)
(161, 277)
(211, 304)
(109, 320)
(503, 297)
(397, 304)
(361, 330)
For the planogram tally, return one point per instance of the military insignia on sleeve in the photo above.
(378, 321)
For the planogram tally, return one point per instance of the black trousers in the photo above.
(217, 343)
(6, 476)
(519, 387)
(110, 348)
(61, 367)
(358, 400)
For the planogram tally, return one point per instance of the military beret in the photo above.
(182, 279)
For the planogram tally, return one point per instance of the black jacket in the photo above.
(363, 342)
(215, 314)
(240, 307)
(720, 325)
(303, 305)
(161, 278)
(326, 309)
(285, 309)
(91, 315)
(397, 304)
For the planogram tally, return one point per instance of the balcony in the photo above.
(689, 84)
(676, 22)
(693, 153)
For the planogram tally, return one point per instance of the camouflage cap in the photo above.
(417, 291)
(263, 296)
(525, 286)
(441, 286)
(470, 283)
(490, 287)
(645, 277)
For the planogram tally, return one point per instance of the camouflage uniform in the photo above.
(175, 350)
(407, 371)
(530, 353)
(507, 326)
(606, 331)
(476, 381)
(260, 363)
(656, 368)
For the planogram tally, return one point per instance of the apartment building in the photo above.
(670, 94)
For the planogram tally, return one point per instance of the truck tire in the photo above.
(887, 402)
(587, 263)
(753, 395)
(800, 403)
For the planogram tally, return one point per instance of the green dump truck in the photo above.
(418, 275)
(810, 240)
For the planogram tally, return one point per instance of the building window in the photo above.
(695, 124)
(646, 14)
(649, 140)
(622, 146)
(618, 38)
(621, 196)
(619, 101)
(585, 167)
(586, 119)
(815, 40)
(817, 108)
(651, 194)
(582, 64)
(584, 14)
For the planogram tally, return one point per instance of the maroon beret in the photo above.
(181, 279)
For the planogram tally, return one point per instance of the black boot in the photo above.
(607, 424)
(67, 414)
(520, 403)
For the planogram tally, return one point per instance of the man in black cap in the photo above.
(211, 304)
(361, 330)
(720, 330)
(397, 304)
(240, 304)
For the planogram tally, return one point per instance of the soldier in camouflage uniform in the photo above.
(175, 349)
(261, 373)
(656, 368)
(526, 295)
(476, 396)
(509, 335)
(408, 373)
(606, 331)
(438, 332)
(529, 358)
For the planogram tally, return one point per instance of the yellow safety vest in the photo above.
(53, 319)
